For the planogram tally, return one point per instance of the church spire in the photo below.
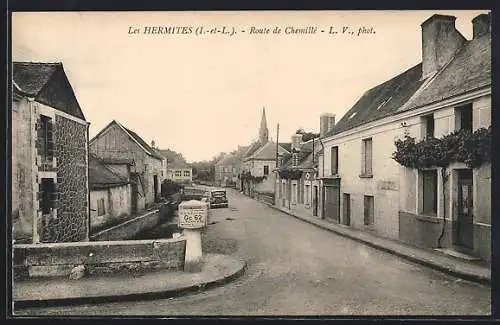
(263, 131)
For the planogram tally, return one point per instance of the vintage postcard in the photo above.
(251, 163)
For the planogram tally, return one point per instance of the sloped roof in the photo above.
(267, 151)
(252, 148)
(381, 101)
(151, 151)
(134, 136)
(48, 84)
(468, 71)
(286, 145)
(101, 176)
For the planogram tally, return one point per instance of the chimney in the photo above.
(326, 123)
(481, 25)
(440, 42)
(296, 141)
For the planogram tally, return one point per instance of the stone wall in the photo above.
(71, 223)
(129, 228)
(57, 259)
(424, 231)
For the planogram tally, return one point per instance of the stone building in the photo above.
(110, 193)
(259, 161)
(116, 142)
(298, 186)
(450, 90)
(50, 194)
(227, 170)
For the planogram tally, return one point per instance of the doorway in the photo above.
(315, 201)
(347, 210)
(155, 187)
(465, 225)
(332, 203)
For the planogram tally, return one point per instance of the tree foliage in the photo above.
(290, 173)
(306, 136)
(473, 149)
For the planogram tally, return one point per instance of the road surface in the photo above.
(295, 268)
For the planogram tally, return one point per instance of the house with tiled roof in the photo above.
(443, 207)
(227, 168)
(259, 161)
(297, 186)
(110, 192)
(117, 142)
(49, 156)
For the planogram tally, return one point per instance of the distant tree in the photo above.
(306, 136)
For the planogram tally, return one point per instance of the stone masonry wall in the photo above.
(72, 205)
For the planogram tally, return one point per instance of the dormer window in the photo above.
(383, 103)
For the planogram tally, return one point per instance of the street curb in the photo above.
(136, 296)
(457, 273)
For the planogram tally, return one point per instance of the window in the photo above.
(225, 169)
(463, 117)
(428, 126)
(187, 173)
(266, 170)
(307, 200)
(429, 192)
(335, 160)
(369, 210)
(234, 170)
(47, 195)
(162, 173)
(178, 173)
(101, 210)
(295, 159)
(45, 141)
(366, 155)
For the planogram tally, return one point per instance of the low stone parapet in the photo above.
(59, 259)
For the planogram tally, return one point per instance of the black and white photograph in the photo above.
(250, 163)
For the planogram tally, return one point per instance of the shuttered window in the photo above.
(429, 192)
(45, 141)
(335, 160)
(366, 157)
(101, 209)
(369, 208)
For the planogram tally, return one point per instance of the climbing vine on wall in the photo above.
(290, 173)
(473, 149)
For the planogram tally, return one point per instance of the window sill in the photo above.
(366, 176)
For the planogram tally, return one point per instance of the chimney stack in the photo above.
(481, 25)
(326, 123)
(296, 141)
(440, 42)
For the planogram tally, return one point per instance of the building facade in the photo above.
(117, 142)
(50, 194)
(110, 194)
(259, 161)
(433, 207)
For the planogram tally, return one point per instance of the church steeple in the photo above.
(263, 131)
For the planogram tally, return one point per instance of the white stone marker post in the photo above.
(193, 219)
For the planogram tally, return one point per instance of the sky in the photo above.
(202, 94)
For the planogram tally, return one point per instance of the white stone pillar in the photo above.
(193, 219)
